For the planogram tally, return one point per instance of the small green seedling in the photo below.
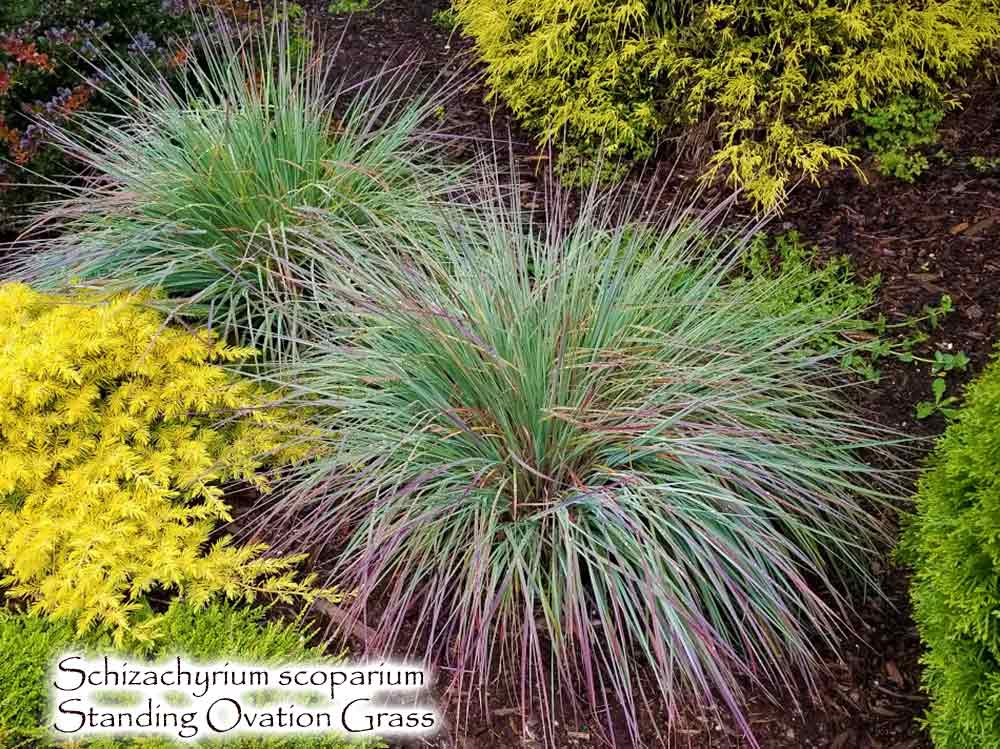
(940, 404)
(944, 363)
(944, 157)
(985, 165)
(941, 365)
(445, 19)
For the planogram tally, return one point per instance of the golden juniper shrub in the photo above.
(114, 441)
(777, 75)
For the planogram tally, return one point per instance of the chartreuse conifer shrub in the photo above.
(578, 459)
(116, 435)
(215, 633)
(952, 545)
(212, 191)
(776, 76)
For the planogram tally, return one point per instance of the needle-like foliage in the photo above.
(203, 190)
(951, 543)
(576, 457)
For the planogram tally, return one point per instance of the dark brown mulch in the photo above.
(940, 235)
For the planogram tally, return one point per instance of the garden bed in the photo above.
(933, 243)
(938, 236)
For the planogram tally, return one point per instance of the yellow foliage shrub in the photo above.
(777, 77)
(116, 434)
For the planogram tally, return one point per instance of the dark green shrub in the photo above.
(953, 543)
(215, 633)
(777, 75)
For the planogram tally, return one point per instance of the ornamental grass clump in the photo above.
(117, 436)
(204, 189)
(578, 459)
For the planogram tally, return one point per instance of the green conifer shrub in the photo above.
(953, 544)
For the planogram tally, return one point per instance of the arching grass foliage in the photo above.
(575, 457)
(206, 190)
